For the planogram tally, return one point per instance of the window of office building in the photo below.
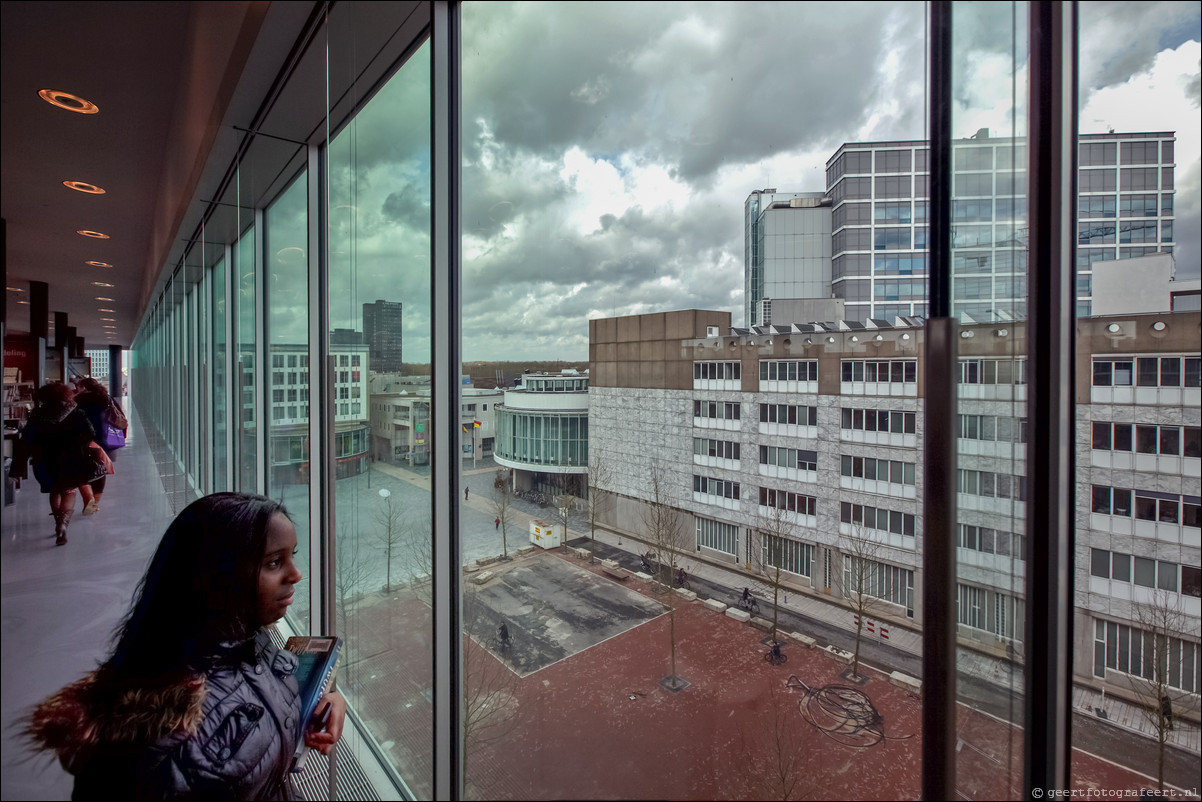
(717, 535)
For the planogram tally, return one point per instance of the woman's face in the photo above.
(278, 573)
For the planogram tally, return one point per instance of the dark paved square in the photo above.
(553, 610)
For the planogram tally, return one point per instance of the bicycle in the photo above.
(748, 603)
(502, 640)
(775, 656)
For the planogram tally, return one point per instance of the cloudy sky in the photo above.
(609, 147)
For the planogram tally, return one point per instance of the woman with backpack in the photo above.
(110, 425)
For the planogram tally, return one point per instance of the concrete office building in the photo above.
(401, 430)
(878, 197)
(825, 422)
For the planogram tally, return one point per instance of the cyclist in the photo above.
(646, 564)
(681, 578)
(746, 596)
(503, 634)
(776, 651)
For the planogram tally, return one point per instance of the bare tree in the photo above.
(666, 536)
(351, 571)
(1161, 621)
(860, 582)
(502, 500)
(391, 532)
(563, 508)
(490, 707)
(600, 478)
(777, 530)
(773, 749)
(418, 550)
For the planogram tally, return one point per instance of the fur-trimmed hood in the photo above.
(84, 716)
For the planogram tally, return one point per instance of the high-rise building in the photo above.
(878, 208)
(787, 248)
(382, 330)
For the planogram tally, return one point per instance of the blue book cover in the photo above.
(317, 664)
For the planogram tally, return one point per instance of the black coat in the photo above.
(60, 451)
(227, 734)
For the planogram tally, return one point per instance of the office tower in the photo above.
(878, 205)
(382, 333)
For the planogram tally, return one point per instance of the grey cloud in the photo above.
(698, 92)
(1119, 39)
(406, 205)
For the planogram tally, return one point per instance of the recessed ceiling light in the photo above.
(102, 284)
(106, 310)
(109, 319)
(23, 302)
(68, 101)
(83, 232)
(99, 298)
(94, 263)
(84, 186)
(14, 289)
(290, 255)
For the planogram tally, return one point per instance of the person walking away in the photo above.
(110, 426)
(496, 522)
(465, 492)
(59, 441)
(196, 701)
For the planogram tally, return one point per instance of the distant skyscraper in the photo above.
(382, 334)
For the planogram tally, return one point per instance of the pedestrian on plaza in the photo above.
(496, 522)
(60, 442)
(465, 492)
(110, 425)
(196, 700)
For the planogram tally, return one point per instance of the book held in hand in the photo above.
(317, 664)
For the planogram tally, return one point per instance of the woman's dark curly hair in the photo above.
(200, 591)
(53, 397)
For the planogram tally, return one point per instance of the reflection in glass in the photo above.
(989, 162)
(379, 365)
(287, 374)
(246, 372)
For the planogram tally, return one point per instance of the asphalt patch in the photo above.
(552, 610)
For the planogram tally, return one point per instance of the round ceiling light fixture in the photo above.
(84, 232)
(94, 263)
(68, 101)
(84, 186)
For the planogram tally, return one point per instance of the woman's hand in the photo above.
(323, 740)
(103, 456)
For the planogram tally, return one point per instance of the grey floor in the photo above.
(60, 604)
